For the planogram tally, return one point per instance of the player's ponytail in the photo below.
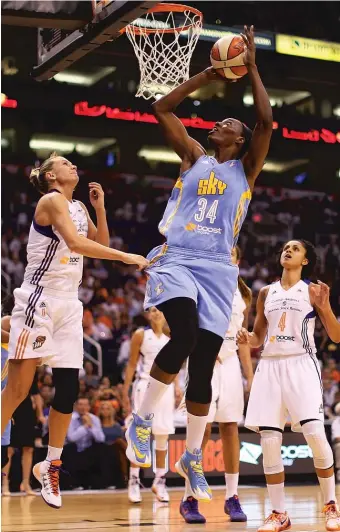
(37, 175)
(243, 288)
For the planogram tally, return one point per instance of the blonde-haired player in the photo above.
(145, 346)
(287, 379)
(227, 404)
(46, 323)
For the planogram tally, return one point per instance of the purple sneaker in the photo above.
(233, 508)
(189, 511)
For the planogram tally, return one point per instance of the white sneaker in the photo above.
(159, 489)
(47, 473)
(134, 490)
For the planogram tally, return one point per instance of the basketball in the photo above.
(227, 57)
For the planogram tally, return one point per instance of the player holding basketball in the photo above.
(145, 346)
(287, 380)
(46, 323)
(227, 404)
(191, 278)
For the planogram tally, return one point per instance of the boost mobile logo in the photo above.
(251, 452)
(203, 230)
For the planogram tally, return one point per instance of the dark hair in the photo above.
(243, 288)
(247, 134)
(310, 254)
(37, 175)
(7, 305)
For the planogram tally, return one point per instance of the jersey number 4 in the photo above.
(203, 208)
(282, 322)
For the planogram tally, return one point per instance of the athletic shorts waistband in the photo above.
(58, 294)
(286, 357)
(199, 253)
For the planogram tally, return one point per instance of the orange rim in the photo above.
(165, 8)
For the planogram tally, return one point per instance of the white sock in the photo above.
(195, 431)
(231, 482)
(53, 453)
(153, 394)
(187, 491)
(160, 472)
(327, 486)
(277, 497)
(134, 472)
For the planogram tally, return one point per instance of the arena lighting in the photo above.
(83, 78)
(277, 97)
(161, 155)
(278, 167)
(83, 146)
(336, 111)
(83, 109)
(6, 102)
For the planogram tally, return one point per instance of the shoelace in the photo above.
(143, 435)
(53, 476)
(235, 503)
(161, 483)
(275, 517)
(191, 504)
(136, 480)
(331, 511)
(198, 470)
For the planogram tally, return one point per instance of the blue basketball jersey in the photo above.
(207, 206)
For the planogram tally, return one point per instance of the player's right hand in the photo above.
(131, 258)
(242, 336)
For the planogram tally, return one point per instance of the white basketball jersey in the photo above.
(291, 321)
(229, 346)
(50, 263)
(151, 346)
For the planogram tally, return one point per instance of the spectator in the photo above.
(114, 438)
(90, 379)
(83, 455)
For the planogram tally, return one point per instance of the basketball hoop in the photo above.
(164, 41)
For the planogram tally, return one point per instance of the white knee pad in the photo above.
(161, 442)
(271, 441)
(314, 432)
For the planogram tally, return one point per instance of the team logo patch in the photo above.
(39, 341)
(211, 186)
(159, 289)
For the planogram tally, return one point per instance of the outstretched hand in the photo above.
(250, 47)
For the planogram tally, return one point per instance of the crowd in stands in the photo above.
(113, 294)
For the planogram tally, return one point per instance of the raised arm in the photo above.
(136, 342)
(177, 136)
(254, 159)
(319, 295)
(53, 210)
(99, 234)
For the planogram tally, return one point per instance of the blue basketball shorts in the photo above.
(207, 278)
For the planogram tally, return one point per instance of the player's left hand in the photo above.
(249, 384)
(250, 47)
(320, 294)
(96, 196)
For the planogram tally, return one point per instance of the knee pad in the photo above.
(271, 441)
(314, 433)
(66, 383)
(161, 442)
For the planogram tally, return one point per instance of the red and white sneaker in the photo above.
(332, 516)
(47, 473)
(275, 522)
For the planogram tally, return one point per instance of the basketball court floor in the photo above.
(109, 511)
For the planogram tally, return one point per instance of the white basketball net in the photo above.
(164, 58)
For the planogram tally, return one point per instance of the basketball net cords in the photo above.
(163, 66)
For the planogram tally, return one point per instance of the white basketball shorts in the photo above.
(227, 402)
(163, 420)
(47, 324)
(282, 386)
